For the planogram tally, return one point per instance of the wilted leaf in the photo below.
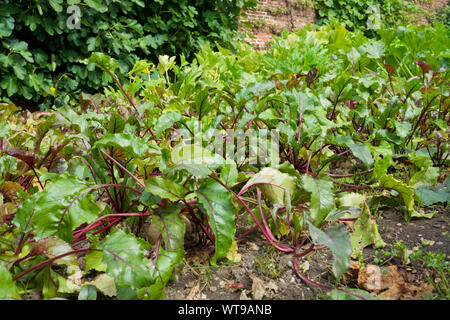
(273, 184)
(337, 239)
(365, 233)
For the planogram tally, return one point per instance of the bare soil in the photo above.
(265, 273)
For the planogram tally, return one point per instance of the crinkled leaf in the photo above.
(105, 284)
(165, 188)
(365, 233)
(131, 144)
(52, 247)
(322, 197)
(407, 194)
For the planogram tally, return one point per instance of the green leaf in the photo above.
(8, 289)
(337, 239)
(365, 233)
(105, 284)
(166, 121)
(115, 123)
(273, 184)
(134, 146)
(194, 159)
(52, 247)
(216, 202)
(351, 294)
(229, 174)
(172, 228)
(353, 55)
(431, 195)
(165, 188)
(103, 61)
(88, 292)
(402, 128)
(125, 257)
(6, 26)
(93, 261)
(4, 130)
(425, 177)
(322, 197)
(167, 261)
(97, 5)
(45, 209)
(56, 5)
(407, 194)
(362, 152)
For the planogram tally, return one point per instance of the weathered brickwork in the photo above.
(271, 17)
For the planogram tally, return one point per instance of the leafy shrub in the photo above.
(363, 15)
(443, 16)
(41, 56)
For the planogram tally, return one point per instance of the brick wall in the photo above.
(429, 7)
(271, 17)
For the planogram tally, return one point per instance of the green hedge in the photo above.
(40, 56)
(363, 15)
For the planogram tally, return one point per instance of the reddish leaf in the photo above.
(351, 104)
(424, 66)
(390, 69)
(312, 75)
(21, 154)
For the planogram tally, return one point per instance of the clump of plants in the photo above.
(118, 180)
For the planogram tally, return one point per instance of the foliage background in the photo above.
(40, 56)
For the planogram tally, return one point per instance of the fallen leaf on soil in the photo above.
(261, 287)
(407, 292)
(195, 293)
(244, 296)
(233, 254)
(252, 246)
(352, 272)
(377, 279)
(199, 257)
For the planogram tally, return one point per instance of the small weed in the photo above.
(268, 263)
